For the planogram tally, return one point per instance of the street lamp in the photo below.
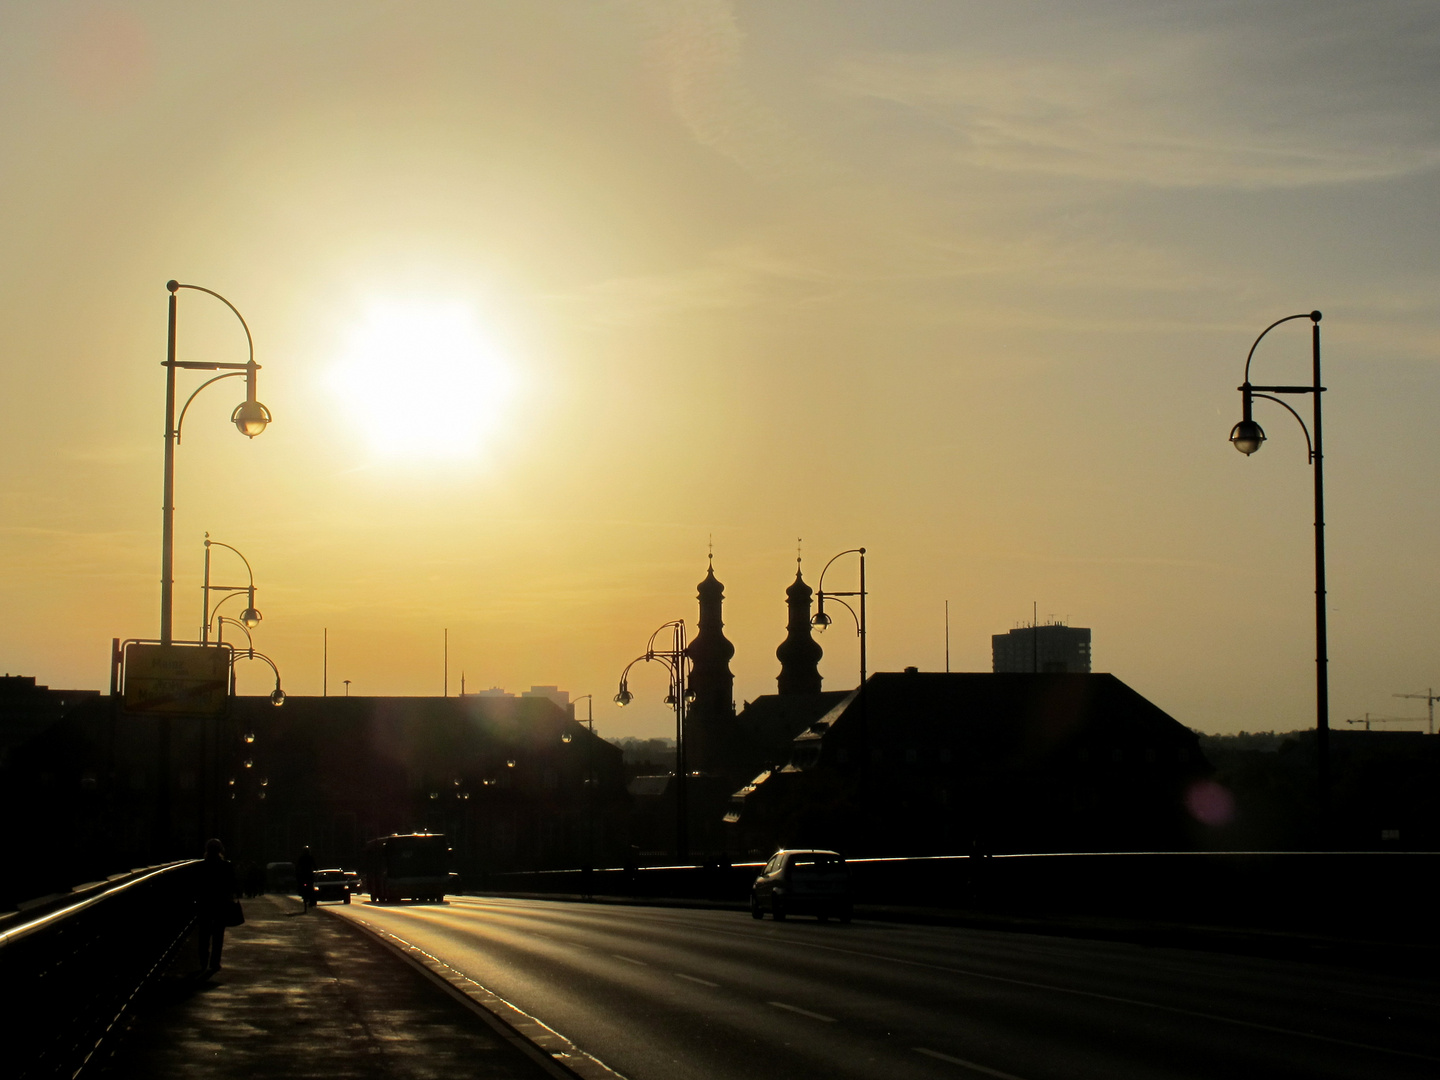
(673, 660)
(251, 616)
(822, 620)
(1247, 437)
(250, 418)
(589, 709)
(277, 696)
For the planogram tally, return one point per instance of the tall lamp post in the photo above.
(251, 616)
(1247, 437)
(588, 784)
(250, 418)
(822, 620)
(674, 661)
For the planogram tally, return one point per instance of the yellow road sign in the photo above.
(176, 680)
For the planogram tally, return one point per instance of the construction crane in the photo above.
(1367, 720)
(1429, 698)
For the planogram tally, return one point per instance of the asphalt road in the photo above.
(683, 994)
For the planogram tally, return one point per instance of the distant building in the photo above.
(553, 693)
(26, 709)
(710, 719)
(919, 763)
(1036, 649)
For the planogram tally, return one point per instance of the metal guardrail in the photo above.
(71, 973)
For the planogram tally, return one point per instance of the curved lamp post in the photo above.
(251, 616)
(1247, 437)
(822, 620)
(250, 418)
(277, 696)
(673, 660)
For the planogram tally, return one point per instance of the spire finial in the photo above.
(798, 543)
(711, 555)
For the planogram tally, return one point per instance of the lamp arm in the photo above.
(217, 543)
(173, 285)
(671, 625)
(238, 592)
(223, 619)
(835, 597)
(251, 654)
(1312, 315)
(820, 587)
(1309, 446)
(181, 422)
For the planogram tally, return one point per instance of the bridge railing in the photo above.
(72, 968)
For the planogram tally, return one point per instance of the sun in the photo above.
(423, 381)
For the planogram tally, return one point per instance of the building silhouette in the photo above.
(918, 763)
(799, 654)
(710, 716)
(1052, 647)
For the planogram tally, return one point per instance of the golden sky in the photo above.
(547, 295)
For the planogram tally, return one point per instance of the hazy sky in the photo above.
(549, 294)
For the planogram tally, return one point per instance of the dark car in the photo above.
(803, 882)
(332, 885)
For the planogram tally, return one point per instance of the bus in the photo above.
(409, 866)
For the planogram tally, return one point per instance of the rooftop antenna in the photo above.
(446, 682)
(1035, 637)
(325, 663)
(947, 637)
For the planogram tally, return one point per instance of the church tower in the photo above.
(709, 723)
(799, 654)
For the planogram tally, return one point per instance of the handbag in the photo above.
(234, 914)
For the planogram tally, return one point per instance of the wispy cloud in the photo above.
(695, 47)
(1182, 110)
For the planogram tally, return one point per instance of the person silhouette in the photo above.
(216, 899)
(305, 877)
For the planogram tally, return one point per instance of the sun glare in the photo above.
(423, 381)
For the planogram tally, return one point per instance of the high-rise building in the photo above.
(1051, 647)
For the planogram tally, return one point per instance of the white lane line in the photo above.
(555, 1054)
(630, 960)
(692, 978)
(966, 1064)
(802, 1012)
(1092, 994)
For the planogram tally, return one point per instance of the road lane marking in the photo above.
(966, 1064)
(1030, 984)
(1094, 994)
(802, 1012)
(692, 978)
(553, 1052)
(629, 960)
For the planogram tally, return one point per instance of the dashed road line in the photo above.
(692, 978)
(630, 960)
(802, 1012)
(966, 1064)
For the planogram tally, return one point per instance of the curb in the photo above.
(554, 1053)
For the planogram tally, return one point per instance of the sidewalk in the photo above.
(305, 995)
